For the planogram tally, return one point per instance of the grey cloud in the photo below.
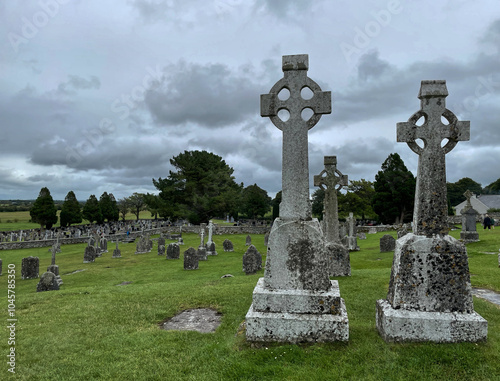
(210, 95)
(76, 82)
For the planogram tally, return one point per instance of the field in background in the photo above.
(95, 328)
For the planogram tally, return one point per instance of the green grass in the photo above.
(21, 220)
(93, 329)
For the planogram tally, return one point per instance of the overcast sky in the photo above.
(98, 95)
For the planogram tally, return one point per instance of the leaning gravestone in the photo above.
(117, 252)
(252, 260)
(295, 301)
(430, 296)
(89, 255)
(387, 243)
(227, 245)
(469, 217)
(173, 251)
(29, 267)
(190, 259)
(48, 282)
(331, 180)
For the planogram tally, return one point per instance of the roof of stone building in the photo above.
(490, 200)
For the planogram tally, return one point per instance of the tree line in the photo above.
(202, 186)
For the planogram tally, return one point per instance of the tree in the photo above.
(201, 187)
(275, 204)
(123, 207)
(394, 191)
(318, 202)
(456, 190)
(43, 210)
(92, 210)
(109, 207)
(71, 212)
(136, 203)
(359, 198)
(153, 203)
(254, 201)
(493, 188)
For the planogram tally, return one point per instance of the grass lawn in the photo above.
(93, 329)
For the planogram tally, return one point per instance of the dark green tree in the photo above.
(359, 198)
(43, 211)
(318, 199)
(136, 203)
(254, 202)
(276, 205)
(493, 188)
(154, 204)
(456, 190)
(123, 208)
(92, 210)
(109, 207)
(71, 212)
(201, 187)
(394, 191)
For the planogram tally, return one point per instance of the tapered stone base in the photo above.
(295, 316)
(440, 327)
(469, 236)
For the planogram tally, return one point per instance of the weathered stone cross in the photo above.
(468, 194)
(295, 202)
(53, 250)
(430, 212)
(331, 180)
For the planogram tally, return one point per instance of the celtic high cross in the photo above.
(295, 202)
(431, 208)
(331, 180)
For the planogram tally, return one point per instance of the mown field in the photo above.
(95, 329)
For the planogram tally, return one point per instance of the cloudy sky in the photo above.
(98, 95)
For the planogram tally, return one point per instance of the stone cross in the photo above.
(295, 202)
(202, 238)
(54, 250)
(331, 180)
(210, 232)
(431, 208)
(468, 194)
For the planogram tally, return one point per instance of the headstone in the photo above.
(29, 267)
(352, 242)
(248, 240)
(89, 255)
(252, 260)
(372, 231)
(430, 296)
(469, 217)
(361, 235)
(173, 251)
(180, 241)
(48, 282)
(161, 241)
(295, 301)
(403, 231)
(331, 180)
(387, 243)
(117, 252)
(210, 246)
(202, 253)
(190, 259)
(103, 244)
(227, 245)
(143, 245)
(53, 268)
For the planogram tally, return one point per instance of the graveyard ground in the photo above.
(93, 328)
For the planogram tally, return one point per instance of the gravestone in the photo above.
(161, 249)
(103, 245)
(248, 241)
(387, 243)
(89, 255)
(173, 251)
(190, 259)
(117, 252)
(0, 267)
(295, 301)
(469, 217)
(29, 267)
(361, 235)
(161, 241)
(53, 268)
(331, 180)
(202, 253)
(227, 245)
(143, 245)
(429, 297)
(48, 282)
(210, 246)
(351, 240)
(372, 231)
(252, 260)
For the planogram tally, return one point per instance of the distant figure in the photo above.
(487, 222)
(492, 223)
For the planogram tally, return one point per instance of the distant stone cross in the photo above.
(468, 194)
(53, 250)
(295, 173)
(331, 180)
(430, 212)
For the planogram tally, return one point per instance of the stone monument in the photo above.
(29, 267)
(190, 259)
(53, 268)
(387, 243)
(117, 252)
(469, 217)
(48, 282)
(173, 251)
(252, 260)
(332, 180)
(429, 296)
(202, 250)
(295, 301)
(89, 255)
(248, 240)
(210, 244)
(351, 239)
(227, 245)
